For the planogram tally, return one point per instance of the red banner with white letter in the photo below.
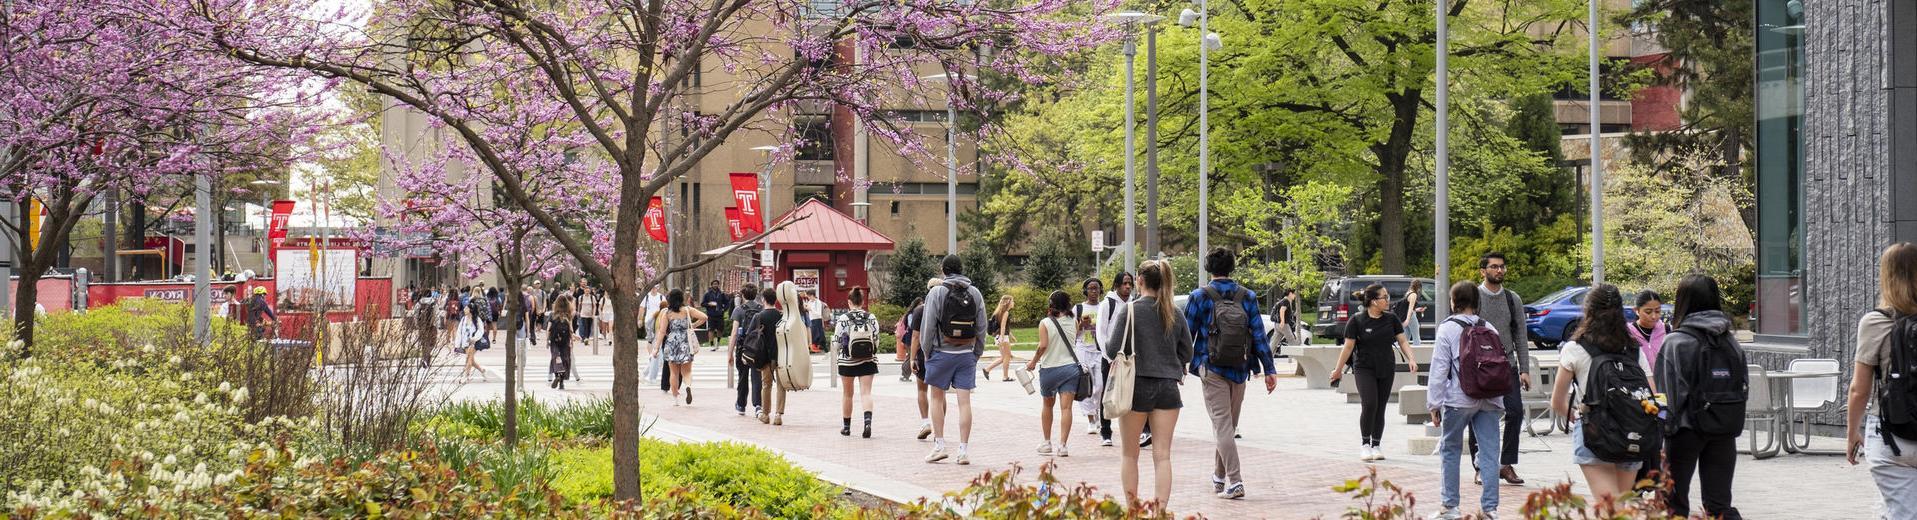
(276, 231)
(733, 226)
(745, 192)
(656, 219)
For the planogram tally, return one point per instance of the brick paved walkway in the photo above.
(1296, 447)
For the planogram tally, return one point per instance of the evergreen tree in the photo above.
(1542, 197)
(911, 266)
(1052, 264)
(982, 266)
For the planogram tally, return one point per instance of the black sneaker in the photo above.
(1145, 440)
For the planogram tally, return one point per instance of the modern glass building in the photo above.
(1836, 165)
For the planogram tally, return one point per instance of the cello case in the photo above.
(795, 340)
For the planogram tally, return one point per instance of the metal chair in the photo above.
(1537, 406)
(1761, 408)
(1809, 395)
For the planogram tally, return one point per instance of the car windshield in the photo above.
(1558, 296)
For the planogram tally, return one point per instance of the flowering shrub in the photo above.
(1002, 495)
(1383, 500)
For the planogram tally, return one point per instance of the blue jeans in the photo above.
(1451, 446)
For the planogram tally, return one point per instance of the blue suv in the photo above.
(1551, 318)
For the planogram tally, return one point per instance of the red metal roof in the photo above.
(826, 229)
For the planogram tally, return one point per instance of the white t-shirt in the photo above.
(1572, 356)
(815, 309)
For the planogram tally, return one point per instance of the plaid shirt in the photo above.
(1198, 317)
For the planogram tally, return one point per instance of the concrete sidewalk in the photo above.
(1296, 446)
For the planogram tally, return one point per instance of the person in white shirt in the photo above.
(1121, 294)
(1086, 315)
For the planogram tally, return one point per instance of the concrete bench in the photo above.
(1398, 381)
(1413, 404)
(1315, 362)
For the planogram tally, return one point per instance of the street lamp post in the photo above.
(1130, 20)
(951, 163)
(1442, 249)
(266, 223)
(1208, 41)
(1597, 163)
(765, 208)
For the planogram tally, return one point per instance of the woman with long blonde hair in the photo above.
(1161, 346)
(1001, 325)
(1892, 457)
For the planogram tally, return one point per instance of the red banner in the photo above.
(276, 231)
(733, 225)
(745, 192)
(656, 219)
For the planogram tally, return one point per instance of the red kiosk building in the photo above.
(826, 251)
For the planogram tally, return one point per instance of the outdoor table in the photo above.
(1787, 412)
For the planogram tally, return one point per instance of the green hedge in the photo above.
(591, 419)
(717, 473)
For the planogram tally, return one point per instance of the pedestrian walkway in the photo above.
(1296, 446)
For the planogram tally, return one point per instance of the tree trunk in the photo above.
(1392, 156)
(514, 306)
(24, 295)
(625, 338)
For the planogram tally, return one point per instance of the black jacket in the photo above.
(1677, 361)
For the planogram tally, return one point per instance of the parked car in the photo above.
(1549, 320)
(1337, 301)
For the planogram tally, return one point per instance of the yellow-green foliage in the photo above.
(716, 473)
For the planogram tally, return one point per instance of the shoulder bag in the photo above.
(1084, 381)
(1123, 375)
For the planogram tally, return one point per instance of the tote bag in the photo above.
(1123, 375)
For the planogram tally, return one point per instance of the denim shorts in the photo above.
(946, 370)
(1582, 456)
(1156, 393)
(1058, 380)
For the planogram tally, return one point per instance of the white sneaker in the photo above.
(1364, 452)
(1106, 443)
(1061, 451)
(1217, 484)
(1233, 492)
(1045, 448)
(963, 459)
(1449, 513)
(937, 454)
(1377, 453)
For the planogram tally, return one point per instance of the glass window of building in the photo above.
(1779, 160)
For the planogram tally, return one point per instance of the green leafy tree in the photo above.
(1546, 193)
(1709, 56)
(1052, 263)
(910, 266)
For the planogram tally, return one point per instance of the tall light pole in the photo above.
(1131, 20)
(1597, 163)
(266, 224)
(202, 256)
(1442, 248)
(765, 208)
(1209, 41)
(951, 162)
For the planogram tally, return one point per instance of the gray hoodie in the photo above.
(935, 303)
(1677, 362)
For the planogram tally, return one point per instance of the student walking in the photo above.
(1369, 336)
(1120, 295)
(1884, 366)
(1229, 346)
(1090, 356)
(955, 332)
(1151, 332)
(675, 342)
(1001, 327)
(915, 342)
(746, 310)
(903, 349)
(1284, 316)
(1648, 331)
(857, 335)
(559, 339)
(1409, 307)
(1607, 367)
(1703, 372)
(771, 393)
(1504, 308)
(815, 313)
(470, 338)
(1455, 409)
(1058, 372)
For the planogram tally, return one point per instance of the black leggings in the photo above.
(1714, 460)
(1374, 389)
(748, 386)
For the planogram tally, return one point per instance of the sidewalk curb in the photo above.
(843, 476)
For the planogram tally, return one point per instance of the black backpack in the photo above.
(1897, 382)
(958, 317)
(1620, 418)
(1720, 383)
(861, 335)
(752, 351)
(1228, 338)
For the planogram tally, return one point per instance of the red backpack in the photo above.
(1483, 370)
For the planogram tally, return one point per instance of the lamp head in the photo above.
(1188, 17)
(1213, 42)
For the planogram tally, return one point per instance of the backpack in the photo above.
(1719, 387)
(958, 317)
(1897, 383)
(1483, 370)
(1620, 417)
(1228, 339)
(861, 335)
(751, 349)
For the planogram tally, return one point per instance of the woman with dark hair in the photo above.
(1369, 336)
(1152, 332)
(1408, 308)
(1699, 439)
(1601, 333)
(1058, 368)
(856, 369)
(1455, 411)
(1892, 456)
(675, 345)
(559, 339)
